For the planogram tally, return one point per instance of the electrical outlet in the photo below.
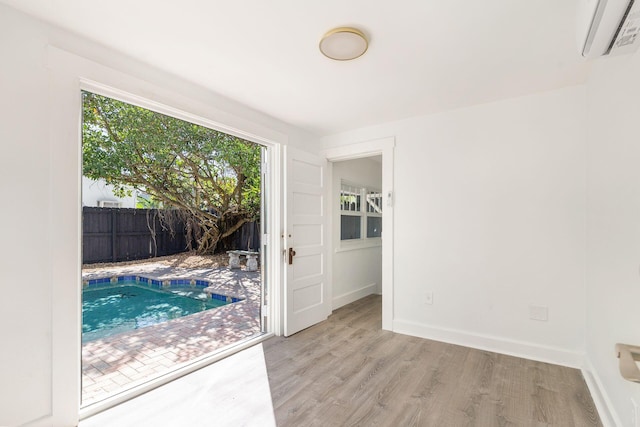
(539, 312)
(428, 298)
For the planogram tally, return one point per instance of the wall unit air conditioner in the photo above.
(608, 27)
(109, 204)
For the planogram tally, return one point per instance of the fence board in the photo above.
(120, 234)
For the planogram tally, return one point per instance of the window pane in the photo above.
(374, 202)
(349, 227)
(350, 198)
(374, 226)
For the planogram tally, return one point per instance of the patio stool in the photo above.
(252, 259)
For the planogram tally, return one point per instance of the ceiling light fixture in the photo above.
(343, 44)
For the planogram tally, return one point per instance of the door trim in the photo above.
(383, 147)
(68, 73)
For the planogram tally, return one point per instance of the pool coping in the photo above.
(153, 282)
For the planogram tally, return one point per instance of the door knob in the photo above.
(292, 253)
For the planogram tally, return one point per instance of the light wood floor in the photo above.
(347, 371)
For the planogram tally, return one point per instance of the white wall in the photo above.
(613, 255)
(40, 174)
(490, 217)
(25, 305)
(357, 265)
(94, 191)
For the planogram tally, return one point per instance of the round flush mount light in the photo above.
(343, 44)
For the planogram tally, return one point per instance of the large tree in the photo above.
(209, 178)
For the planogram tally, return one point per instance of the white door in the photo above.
(306, 292)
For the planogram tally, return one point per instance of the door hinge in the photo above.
(265, 239)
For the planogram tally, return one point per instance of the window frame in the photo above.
(372, 213)
(364, 213)
(356, 192)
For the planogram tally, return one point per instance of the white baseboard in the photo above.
(607, 413)
(527, 350)
(352, 296)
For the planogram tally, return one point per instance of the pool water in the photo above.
(116, 309)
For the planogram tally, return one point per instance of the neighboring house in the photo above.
(100, 194)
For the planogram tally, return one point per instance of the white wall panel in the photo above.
(613, 273)
(25, 171)
(490, 216)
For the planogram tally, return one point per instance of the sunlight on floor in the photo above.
(232, 392)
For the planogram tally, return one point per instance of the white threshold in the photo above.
(178, 372)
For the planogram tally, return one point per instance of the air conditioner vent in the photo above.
(608, 27)
(109, 204)
(627, 35)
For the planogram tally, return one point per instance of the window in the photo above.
(360, 220)
(351, 212)
(374, 214)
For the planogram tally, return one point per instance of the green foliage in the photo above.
(144, 201)
(212, 177)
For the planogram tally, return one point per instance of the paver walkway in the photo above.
(124, 360)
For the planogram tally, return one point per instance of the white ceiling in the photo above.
(424, 56)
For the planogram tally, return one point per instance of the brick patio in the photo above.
(124, 360)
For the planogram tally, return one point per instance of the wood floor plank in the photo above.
(347, 371)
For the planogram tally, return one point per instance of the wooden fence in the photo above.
(113, 235)
(117, 234)
(245, 238)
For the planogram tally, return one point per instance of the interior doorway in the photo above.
(381, 149)
(357, 210)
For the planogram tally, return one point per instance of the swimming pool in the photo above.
(114, 305)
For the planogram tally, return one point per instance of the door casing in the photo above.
(383, 147)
